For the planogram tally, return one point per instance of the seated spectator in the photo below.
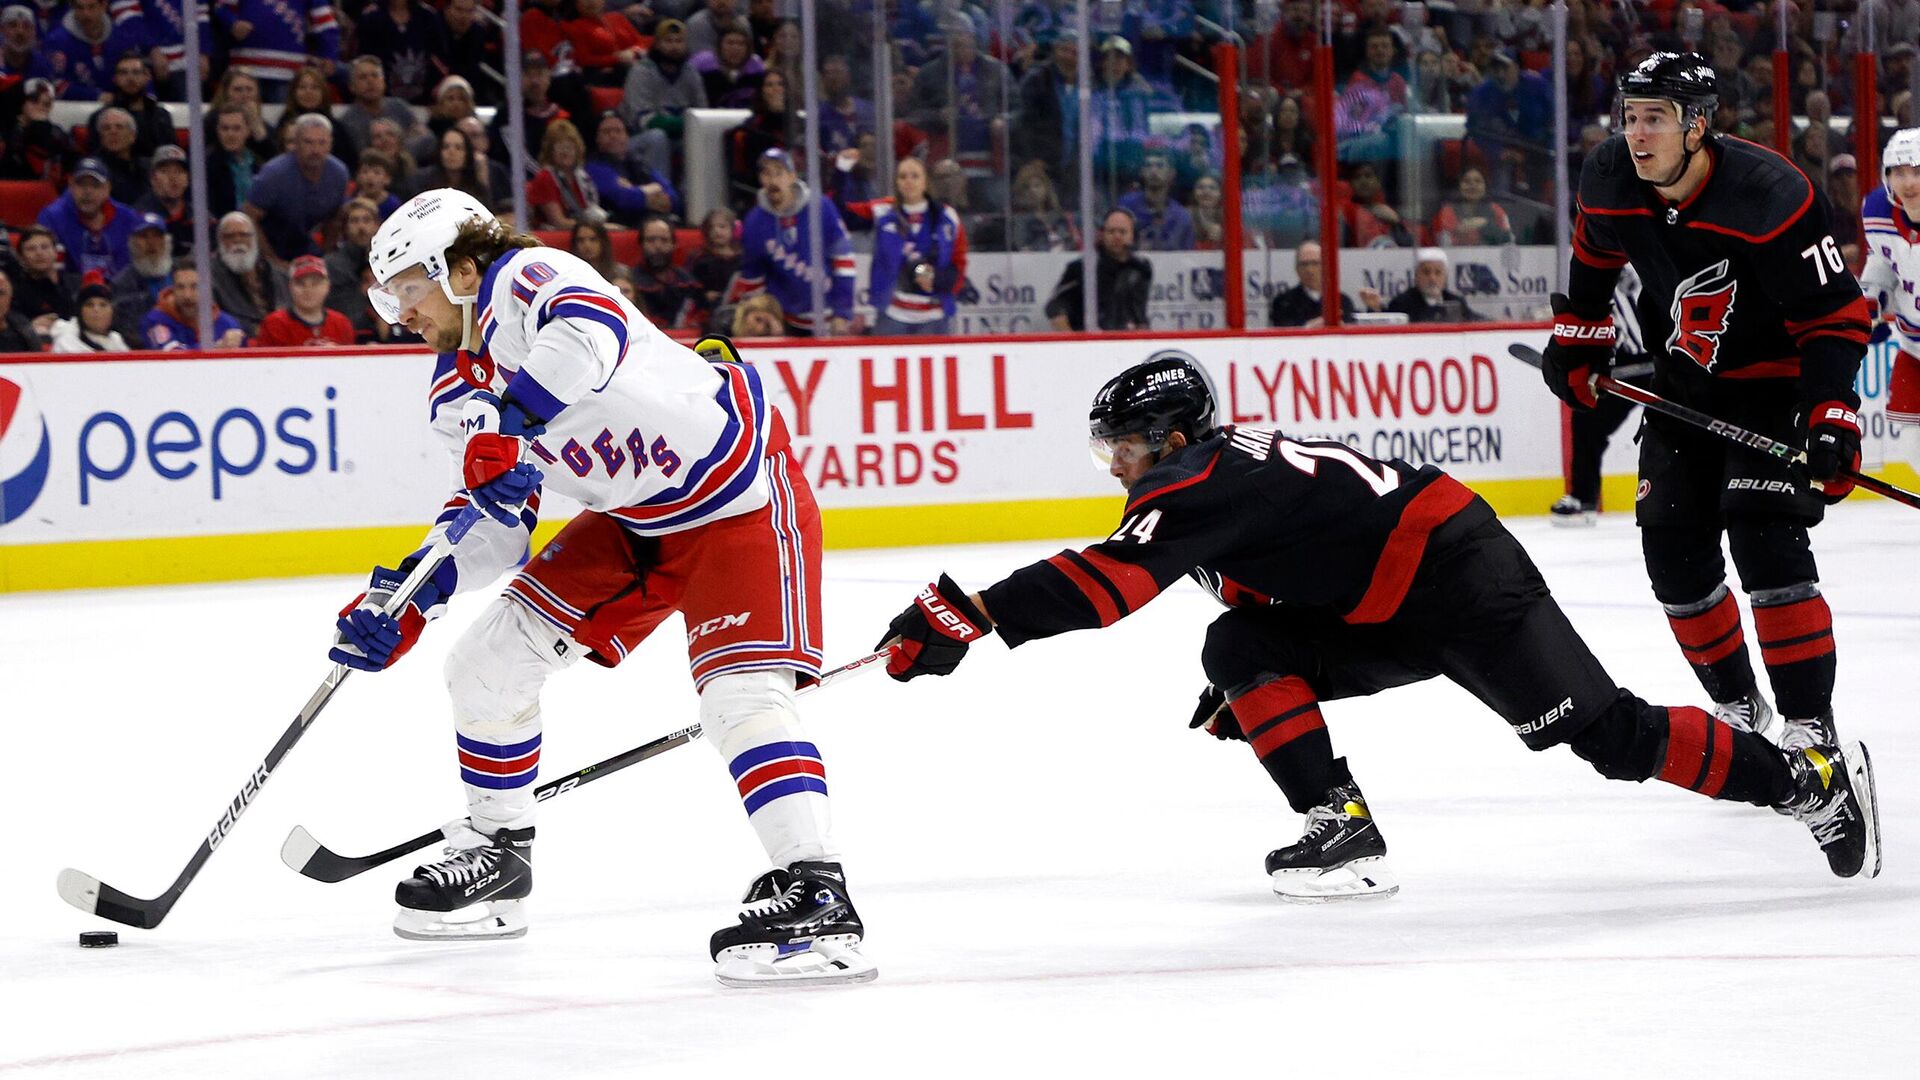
(1163, 225)
(460, 168)
(373, 181)
(166, 195)
(782, 51)
(919, 257)
(36, 148)
(668, 295)
(173, 324)
(42, 291)
(473, 46)
(452, 103)
(1366, 218)
(758, 316)
(409, 39)
(369, 101)
(1278, 203)
(778, 257)
(590, 242)
(730, 71)
(126, 174)
(851, 184)
(1470, 218)
(1038, 222)
(718, 258)
(1510, 118)
(1290, 45)
(1043, 111)
(389, 139)
(1209, 223)
(230, 162)
(307, 95)
(1194, 157)
(960, 97)
(605, 46)
(562, 192)
(1429, 300)
(771, 127)
(704, 25)
(481, 141)
(660, 89)
(1843, 190)
(630, 191)
(1302, 305)
(20, 51)
(16, 332)
(1122, 101)
(92, 227)
(622, 279)
(536, 81)
(1366, 116)
(1429, 93)
(245, 285)
(240, 89)
(306, 322)
(844, 115)
(132, 91)
(84, 46)
(1589, 91)
(149, 270)
(274, 32)
(1122, 283)
(299, 190)
(91, 330)
(348, 273)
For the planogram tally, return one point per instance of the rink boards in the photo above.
(141, 469)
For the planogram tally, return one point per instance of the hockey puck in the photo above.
(99, 939)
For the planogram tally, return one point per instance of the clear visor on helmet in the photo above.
(1130, 449)
(400, 294)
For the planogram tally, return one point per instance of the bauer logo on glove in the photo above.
(934, 632)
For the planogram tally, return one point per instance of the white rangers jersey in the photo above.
(1893, 265)
(639, 426)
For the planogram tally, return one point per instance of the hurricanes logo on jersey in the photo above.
(1702, 311)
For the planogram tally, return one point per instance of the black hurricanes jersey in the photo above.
(1743, 280)
(1255, 518)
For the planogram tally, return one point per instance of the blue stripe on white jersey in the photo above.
(725, 471)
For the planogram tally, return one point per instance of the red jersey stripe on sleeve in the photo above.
(1406, 546)
(1103, 606)
(1134, 584)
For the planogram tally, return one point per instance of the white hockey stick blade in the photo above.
(299, 848)
(80, 890)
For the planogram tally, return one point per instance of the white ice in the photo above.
(1056, 875)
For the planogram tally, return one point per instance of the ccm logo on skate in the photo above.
(724, 622)
(953, 625)
(1564, 709)
(481, 884)
(1748, 483)
(239, 806)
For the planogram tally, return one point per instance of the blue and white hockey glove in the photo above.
(498, 480)
(369, 639)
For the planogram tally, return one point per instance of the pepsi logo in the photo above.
(25, 448)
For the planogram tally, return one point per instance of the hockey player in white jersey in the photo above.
(1891, 217)
(549, 379)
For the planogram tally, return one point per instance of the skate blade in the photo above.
(1361, 879)
(485, 921)
(1586, 519)
(1860, 775)
(825, 962)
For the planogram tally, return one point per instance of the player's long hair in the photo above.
(484, 240)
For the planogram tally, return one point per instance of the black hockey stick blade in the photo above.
(1530, 356)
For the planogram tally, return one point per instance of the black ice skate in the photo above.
(1815, 731)
(478, 891)
(1833, 796)
(1342, 856)
(796, 926)
(1569, 512)
(1752, 713)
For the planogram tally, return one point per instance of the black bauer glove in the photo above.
(1214, 717)
(1833, 444)
(1581, 347)
(934, 632)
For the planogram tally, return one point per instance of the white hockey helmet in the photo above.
(418, 234)
(1902, 149)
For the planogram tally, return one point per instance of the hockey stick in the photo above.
(313, 859)
(90, 894)
(1530, 356)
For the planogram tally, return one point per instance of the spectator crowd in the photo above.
(369, 106)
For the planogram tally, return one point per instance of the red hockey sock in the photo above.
(1282, 722)
(1704, 755)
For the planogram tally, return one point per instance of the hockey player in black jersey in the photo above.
(1344, 576)
(1750, 315)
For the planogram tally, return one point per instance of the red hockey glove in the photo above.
(1581, 347)
(1833, 444)
(1213, 716)
(934, 632)
(496, 431)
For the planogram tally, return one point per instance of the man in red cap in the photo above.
(306, 322)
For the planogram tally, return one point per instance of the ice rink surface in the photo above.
(1054, 872)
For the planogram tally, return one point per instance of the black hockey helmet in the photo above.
(1167, 392)
(1686, 79)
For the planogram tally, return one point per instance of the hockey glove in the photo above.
(934, 632)
(496, 432)
(370, 639)
(1833, 444)
(1581, 347)
(1213, 716)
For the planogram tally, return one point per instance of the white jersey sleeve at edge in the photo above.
(490, 549)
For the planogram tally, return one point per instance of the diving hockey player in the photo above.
(1891, 216)
(1751, 316)
(1344, 576)
(548, 378)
